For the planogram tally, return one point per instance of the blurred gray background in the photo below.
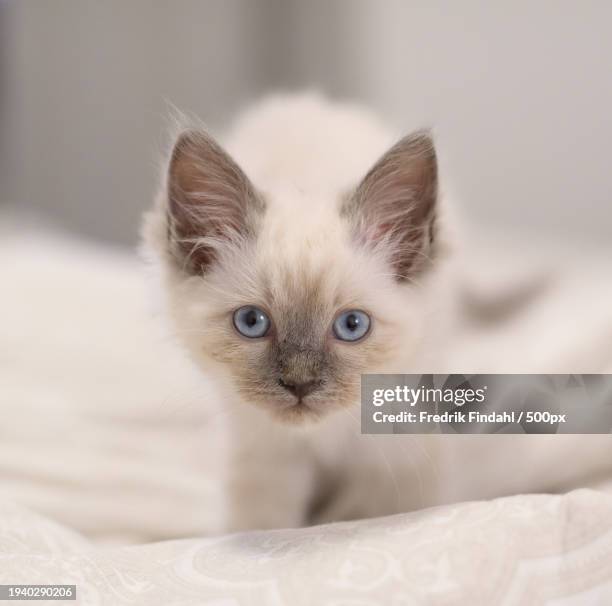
(519, 95)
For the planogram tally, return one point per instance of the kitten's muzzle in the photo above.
(300, 368)
(299, 390)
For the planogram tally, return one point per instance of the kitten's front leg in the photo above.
(271, 477)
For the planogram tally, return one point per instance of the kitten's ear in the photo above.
(394, 207)
(211, 202)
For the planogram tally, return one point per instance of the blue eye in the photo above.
(251, 322)
(352, 325)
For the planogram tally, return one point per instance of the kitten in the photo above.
(308, 250)
(295, 259)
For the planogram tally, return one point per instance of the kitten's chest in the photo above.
(369, 475)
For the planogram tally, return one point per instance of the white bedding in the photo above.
(105, 431)
(524, 550)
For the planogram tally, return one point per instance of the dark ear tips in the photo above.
(193, 157)
(210, 200)
(394, 206)
(420, 153)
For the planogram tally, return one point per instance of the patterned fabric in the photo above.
(523, 550)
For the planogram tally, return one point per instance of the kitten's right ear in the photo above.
(211, 202)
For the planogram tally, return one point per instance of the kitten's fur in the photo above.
(309, 209)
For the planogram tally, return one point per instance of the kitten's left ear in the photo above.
(394, 207)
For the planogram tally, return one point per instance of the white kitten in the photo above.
(305, 253)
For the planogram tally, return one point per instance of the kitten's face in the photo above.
(289, 297)
(293, 320)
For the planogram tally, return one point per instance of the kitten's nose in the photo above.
(299, 390)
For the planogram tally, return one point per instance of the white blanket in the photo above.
(526, 550)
